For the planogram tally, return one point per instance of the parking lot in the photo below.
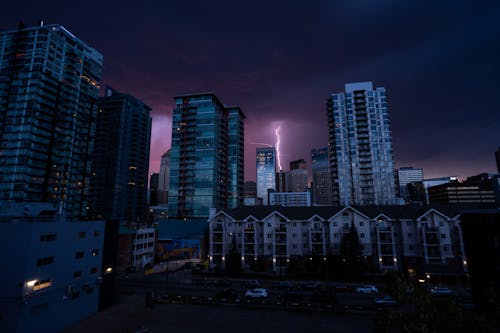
(130, 313)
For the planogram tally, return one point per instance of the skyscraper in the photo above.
(360, 142)
(297, 176)
(154, 179)
(321, 178)
(121, 159)
(266, 172)
(49, 85)
(199, 157)
(236, 153)
(163, 182)
(406, 175)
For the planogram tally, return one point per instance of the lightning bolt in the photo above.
(278, 141)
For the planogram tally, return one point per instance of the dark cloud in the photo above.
(279, 60)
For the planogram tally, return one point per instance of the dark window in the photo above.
(77, 274)
(79, 255)
(93, 270)
(81, 234)
(44, 261)
(97, 233)
(48, 238)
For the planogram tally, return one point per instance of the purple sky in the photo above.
(280, 60)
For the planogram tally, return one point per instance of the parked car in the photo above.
(282, 285)
(256, 293)
(386, 300)
(441, 292)
(130, 269)
(367, 290)
(227, 293)
(325, 296)
(309, 286)
(291, 297)
(341, 288)
(222, 283)
(251, 284)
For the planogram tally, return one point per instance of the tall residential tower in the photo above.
(49, 85)
(205, 153)
(360, 141)
(121, 165)
(266, 172)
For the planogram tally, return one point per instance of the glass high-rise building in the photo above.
(206, 139)
(121, 158)
(405, 176)
(321, 178)
(266, 172)
(49, 86)
(360, 143)
(236, 153)
(163, 182)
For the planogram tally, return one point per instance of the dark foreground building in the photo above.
(481, 234)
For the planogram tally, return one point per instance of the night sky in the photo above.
(280, 60)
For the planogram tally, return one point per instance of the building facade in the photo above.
(321, 187)
(405, 176)
(266, 172)
(49, 85)
(199, 156)
(236, 154)
(360, 143)
(497, 158)
(468, 192)
(297, 176)
(164, 179)
(56, 275)
(290, 199)
(393, 237)
(121, 158)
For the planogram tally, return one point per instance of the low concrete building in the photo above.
(53, 271)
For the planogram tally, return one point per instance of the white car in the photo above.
(256, 293)
(367, 290)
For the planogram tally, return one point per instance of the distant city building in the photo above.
(200, 159)
(489, 179)
(236, 153)
(421, 239)
(497, 157)
(49, 85)
(426, 183)
(298, 164)
(266, 172)
(406, 175)
(290, 199)
(154, 179)
(468, 192)
(360, 142)
(164, 178)
(297, 176)
(250, 189)
(54, 269)
(321, 178)
(282, 181)
(121, 158)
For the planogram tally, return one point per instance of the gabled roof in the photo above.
(394, 212)
(221, 212)
(341, 211)
(276, 213)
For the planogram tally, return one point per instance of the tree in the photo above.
(351, 254)
(233, 259)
